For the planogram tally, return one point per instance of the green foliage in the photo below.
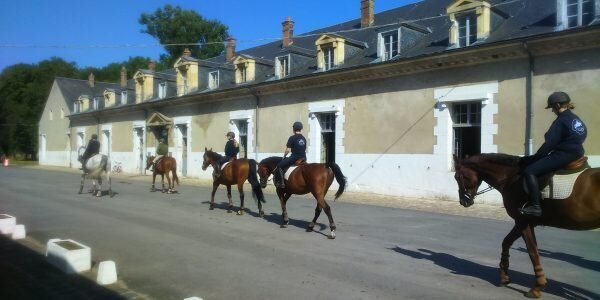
(173, 25)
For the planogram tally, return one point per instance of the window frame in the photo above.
(580, 15)
(162, 90)
(382, 44)
(213, 82)
(282, 70)
(328, 57)
(123, 97)
(467, 18)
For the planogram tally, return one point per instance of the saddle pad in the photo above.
(289, 172)
(562, 186)
(223, 165)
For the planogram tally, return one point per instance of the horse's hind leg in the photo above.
(540, 279)
(241, 190)
(318, 210)
(81, 185)
(170, 189)
(283, 199)
(510, 238)
(99, 191)
(230, 207)
(162, 181)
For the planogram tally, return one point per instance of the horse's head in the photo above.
(149, 161)
(468, 181)
(265, 168)
(208, 158)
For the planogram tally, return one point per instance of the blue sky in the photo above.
(44, 23)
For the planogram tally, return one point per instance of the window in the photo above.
(242, 126)
(185, 83)
(95, 104)
(466, 118)
(76, 106)
(243, 71)
(213, 80)
(389, 45)
(327, 122)
(124, 97)
(51, 115)
(328, 58)
(283, 66)
(162, 90)
(467, 29)
(62, 113)
(579, 12)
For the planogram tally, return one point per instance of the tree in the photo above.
(173, 25)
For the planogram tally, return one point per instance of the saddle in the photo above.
(288, 171)
(559, 185)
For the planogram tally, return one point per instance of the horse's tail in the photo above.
(257, 193)
(175, 178)
(339, 177)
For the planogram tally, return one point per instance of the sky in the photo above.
(80, 30)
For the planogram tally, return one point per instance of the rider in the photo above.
(563, 144)
(93, 148)
(295, 144)
(232, 148)
(161, 151)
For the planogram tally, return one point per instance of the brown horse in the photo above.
(580, 211)
(236, 172)
(307, 178)
(165, 166)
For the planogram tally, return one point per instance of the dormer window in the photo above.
(245, 69)
(282, 66)
(123, 97)
(467, 29)
(328, 61)
(388, 45)
(95, 103)
(243, 74)
(186, 68)
(162, 90)
(575, 12)
(213, 80)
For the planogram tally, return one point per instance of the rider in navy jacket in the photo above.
(232, 148)
(93, 148)
(563, 144)
(297, 146)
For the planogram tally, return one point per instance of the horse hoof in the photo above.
(533, 293)
(240, 212)
(211, 208)
(283, 226)
(261, 214)
(79, 193)
(309, 229)
(331, 236)
(504, 281)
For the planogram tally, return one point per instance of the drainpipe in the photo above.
(529, 102)
(256, 148)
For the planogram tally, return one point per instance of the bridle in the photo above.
(465, 191)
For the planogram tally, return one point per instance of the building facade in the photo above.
(390, 97)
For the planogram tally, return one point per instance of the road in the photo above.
(173, 247)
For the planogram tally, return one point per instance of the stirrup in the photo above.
(531, 210)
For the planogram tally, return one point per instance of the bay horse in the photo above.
(164, 166)
(307, 178)
(580, 211)
(234, 173)
(93, 169)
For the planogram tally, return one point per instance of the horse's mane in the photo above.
(213, 154)
(496, 158)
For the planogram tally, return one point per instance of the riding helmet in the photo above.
(558, 97)
(297, 126)
(230, 134)
(94, 136)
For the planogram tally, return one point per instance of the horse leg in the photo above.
(212, 196)
(332, 226)
(162, 182)
(241, 190)
(152, 189)
(99, 191)
(510, 238)
(169, 190)
(230, 207)
(540, 282)
(318, 210)
(81, 186)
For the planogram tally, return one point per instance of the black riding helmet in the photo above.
(94, 136)
(558, 97)
(297, 126)
(230, 134)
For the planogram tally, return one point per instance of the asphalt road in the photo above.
(173, 247)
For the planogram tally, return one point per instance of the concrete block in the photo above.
(7, 223)
(69, 256)
(107, 273)
(19, 232)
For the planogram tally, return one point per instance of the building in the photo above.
(390, 97)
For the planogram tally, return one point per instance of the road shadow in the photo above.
(573, 259)
(465, 267)
(25, 274)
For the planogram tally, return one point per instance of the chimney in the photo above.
(152, 66)
(367, 18)
(91, 80)
(230, 49)
(288, 32)
(123, 77)
(186, 52)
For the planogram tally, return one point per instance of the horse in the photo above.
(579, 211)
(307, 178)
(236, 172)
(93, 169)
(164, 166)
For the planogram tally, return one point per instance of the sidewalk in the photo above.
(478, 210)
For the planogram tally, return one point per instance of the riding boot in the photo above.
(532, 207)
(278, 180)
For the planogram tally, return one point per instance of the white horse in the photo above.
(93, 169)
